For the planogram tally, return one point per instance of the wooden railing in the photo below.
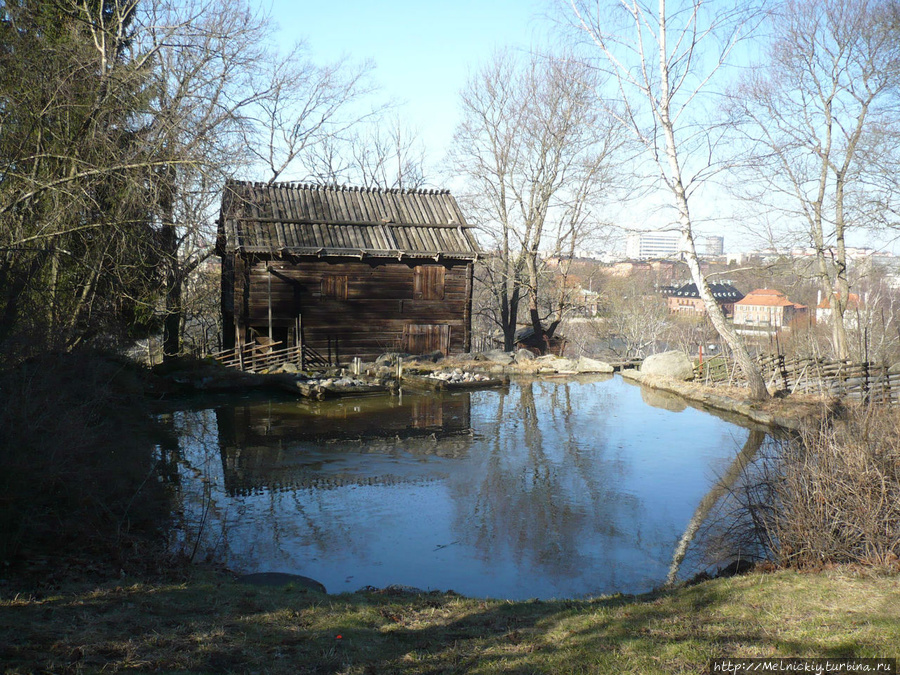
(864, 381)
(257, 357)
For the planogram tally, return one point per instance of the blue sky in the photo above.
(423, 51)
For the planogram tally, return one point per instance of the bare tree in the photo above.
(209, 59)
(77, 258)
(307, 105)
(226, 101)
(380, 152)
(819, 118)
(634, 317)
(538, 154)
(665, 57)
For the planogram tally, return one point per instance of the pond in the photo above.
(562, 488)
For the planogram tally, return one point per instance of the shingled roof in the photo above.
(721, 292)
(324, 221)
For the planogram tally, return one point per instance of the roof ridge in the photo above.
(334, 187)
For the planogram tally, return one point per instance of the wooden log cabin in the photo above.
(344, 271)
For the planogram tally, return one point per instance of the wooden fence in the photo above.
(863, 381)
(257, 357)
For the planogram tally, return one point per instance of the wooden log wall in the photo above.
(352, 309)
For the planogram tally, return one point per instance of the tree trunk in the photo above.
(751, 371)
(749, 368)
(173, 317)
(173, 275)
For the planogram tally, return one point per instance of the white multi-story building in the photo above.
(653, 245)
(713, 246)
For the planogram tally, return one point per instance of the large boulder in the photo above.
(586, 365)
(499, 356)
(672, 365)
(390, 358)
(524, 355)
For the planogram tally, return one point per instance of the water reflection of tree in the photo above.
(544, 488)
(726, 485)
(201, 517)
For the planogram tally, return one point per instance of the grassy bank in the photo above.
(211, 624)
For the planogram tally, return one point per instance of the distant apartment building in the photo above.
(768, 309)
(653, 245)
(713, 246)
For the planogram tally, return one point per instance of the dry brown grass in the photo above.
(838, 492)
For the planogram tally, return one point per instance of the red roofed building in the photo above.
(767, 308)
(824, 309)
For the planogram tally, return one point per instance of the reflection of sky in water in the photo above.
(553, 489)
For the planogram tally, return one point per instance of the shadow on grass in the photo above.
(216, 626)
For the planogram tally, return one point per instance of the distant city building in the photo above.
(714, 246)
(824, 310)
(768, 309)
(687, 300)
(653, 245)
(664, 269)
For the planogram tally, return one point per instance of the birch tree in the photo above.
(820, 120)
(665, 57)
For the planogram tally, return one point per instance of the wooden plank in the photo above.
(355, 210)
(371, 208)
(375, 199)
(338, 208)
(415, 210)
(285, 230)
(405, 213)
(325, 196)
(428, 205)
(388, 201)
(313, 203)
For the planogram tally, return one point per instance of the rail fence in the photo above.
(863, 381)
(256, 357)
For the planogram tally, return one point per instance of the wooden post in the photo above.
(239, 339)
(467, 338)
(300, 341)
(269, 284)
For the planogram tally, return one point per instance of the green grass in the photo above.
(210, 624)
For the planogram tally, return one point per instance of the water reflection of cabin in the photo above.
(266, 445)
(349, 271)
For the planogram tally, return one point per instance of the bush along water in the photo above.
(838, 492)
(78, 467)
(828, 495)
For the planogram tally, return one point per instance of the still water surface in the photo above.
(550, 489)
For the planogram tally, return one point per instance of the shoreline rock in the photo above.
(748, 409)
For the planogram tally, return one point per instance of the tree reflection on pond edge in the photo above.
(552, 488)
